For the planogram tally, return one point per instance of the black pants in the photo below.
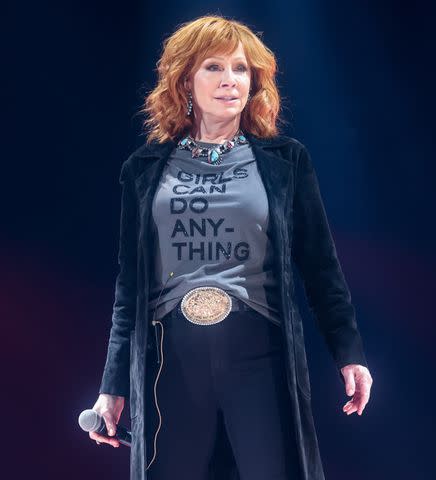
(235, 368)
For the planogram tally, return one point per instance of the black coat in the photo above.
(300, 231)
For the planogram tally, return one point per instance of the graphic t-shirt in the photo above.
(210, 227)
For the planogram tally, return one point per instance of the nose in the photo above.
(228, 78)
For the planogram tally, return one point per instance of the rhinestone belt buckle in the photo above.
(206, 305)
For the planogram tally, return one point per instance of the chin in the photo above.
(229, 112)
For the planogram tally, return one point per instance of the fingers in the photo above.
(350, 408)
(111, 428)
(357, 403)
(364, 398)
(110, 408)
(103, 439)
(350, 385)
(363, 382)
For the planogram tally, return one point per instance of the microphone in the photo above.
(91, 421)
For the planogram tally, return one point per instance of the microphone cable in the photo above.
(155, 323)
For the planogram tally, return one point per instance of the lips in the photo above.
(226, 98)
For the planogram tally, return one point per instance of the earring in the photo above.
(189, 106)
(248, 100)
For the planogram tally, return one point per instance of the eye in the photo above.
(241, 67)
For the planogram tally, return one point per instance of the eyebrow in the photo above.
(220, 58)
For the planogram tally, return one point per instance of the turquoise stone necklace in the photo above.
(213, 154)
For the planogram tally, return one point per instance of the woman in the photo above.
(206, 331)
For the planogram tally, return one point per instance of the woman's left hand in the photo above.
(358, 383)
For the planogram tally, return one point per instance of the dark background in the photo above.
(357, 80)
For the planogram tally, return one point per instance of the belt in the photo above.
(207, 305)
(237, 305)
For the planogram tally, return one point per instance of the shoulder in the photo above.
(277, 141)
(137, 162)
(151, 149)
(288, 148)
(130, 165)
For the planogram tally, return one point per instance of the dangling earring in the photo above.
(189, 106)
(248, 99)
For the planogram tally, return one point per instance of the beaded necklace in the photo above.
(214, 153)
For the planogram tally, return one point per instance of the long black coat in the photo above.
(299, 230)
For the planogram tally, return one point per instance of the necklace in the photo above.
(213, 154)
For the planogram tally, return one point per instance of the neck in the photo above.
(217, 133)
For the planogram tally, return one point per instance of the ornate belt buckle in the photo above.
(206, 305)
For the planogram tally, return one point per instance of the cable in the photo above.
(154, 323)
(155, 395)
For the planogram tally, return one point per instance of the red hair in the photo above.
(184, 51)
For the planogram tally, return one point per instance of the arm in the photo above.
(314, 253)
(116, 379)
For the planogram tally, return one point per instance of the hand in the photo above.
(110, 408)
(358, 382)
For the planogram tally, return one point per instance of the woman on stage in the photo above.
(207, 339)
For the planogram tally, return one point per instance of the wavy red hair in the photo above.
(165, 106)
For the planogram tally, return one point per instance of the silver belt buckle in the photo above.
(206, 305)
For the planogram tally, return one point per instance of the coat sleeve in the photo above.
(115, 380)
(315, 256)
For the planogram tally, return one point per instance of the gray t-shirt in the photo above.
(210, 227)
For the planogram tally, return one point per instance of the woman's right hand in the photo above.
(110, 408)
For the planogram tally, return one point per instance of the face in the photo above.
(218, 77)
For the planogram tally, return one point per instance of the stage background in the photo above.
(357, 80)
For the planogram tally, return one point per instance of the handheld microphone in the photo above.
(91, 421)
